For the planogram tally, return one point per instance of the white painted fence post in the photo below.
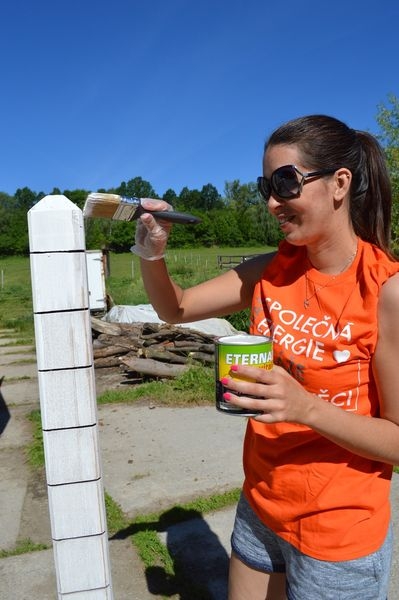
(68, 400)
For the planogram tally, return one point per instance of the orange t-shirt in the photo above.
(328, 502)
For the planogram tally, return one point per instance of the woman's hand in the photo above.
(151, 234)
(274, 392)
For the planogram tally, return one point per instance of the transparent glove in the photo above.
(151, 234)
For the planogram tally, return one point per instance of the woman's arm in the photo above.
(229, 292)
(284, 399)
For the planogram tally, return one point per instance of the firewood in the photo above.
(103, 327)
(148, 366)
(109, 351)
(201, 357)
(191, 347)
(124, 341)
(132, 329)
(98, 344)
(158, 350)
(162, 354)
(158, 341)
(107, 361)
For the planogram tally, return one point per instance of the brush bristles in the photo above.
(101, 205)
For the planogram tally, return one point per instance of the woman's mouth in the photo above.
(284, 219)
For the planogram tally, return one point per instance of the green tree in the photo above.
(244, 200)
(257, 225)
(121, 236)
(14, 228)
(25, 199)
(78, 197)
(136, 187)
(7, 206)
(226, 228)
(171, 197)
(388, 121)
(268, 229)
(97, 233)
(209, 198)
(188, 199)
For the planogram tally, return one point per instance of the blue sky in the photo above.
(180, 93)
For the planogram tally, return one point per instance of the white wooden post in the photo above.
(68, 399)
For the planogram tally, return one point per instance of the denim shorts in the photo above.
(308, 578)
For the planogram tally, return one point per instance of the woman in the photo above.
(313, 522)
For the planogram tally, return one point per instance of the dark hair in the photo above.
(325, 142)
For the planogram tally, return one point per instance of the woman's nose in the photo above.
(273, 203)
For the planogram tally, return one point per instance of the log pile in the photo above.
(154, 350)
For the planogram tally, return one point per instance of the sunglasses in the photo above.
(284, 182)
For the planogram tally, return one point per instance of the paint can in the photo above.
(249, 350)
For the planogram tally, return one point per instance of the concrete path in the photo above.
(152, 460)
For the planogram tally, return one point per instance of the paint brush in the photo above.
(119, 208)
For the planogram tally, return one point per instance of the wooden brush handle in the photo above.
(174, 217)
(168, 215)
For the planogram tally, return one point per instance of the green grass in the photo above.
(20, 341)
(16, 310)
(23, 361)
(17, 344)
(116, 520)
(22, 547)
(35, 450)
(193, 388)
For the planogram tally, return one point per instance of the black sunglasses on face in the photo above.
(284, 182)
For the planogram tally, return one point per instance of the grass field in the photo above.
(124, 285)
(15, 294)
(188, 267)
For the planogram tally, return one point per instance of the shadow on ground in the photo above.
(200, 562)
(4, 412)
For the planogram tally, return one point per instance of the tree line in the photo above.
(237, 218)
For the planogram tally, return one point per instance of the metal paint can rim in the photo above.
(242, 339)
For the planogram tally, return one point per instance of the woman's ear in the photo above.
(342, 181)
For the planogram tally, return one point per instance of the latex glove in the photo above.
(151, 234)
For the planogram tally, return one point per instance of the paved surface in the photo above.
(152, 459)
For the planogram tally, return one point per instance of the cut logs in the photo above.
(150, 350)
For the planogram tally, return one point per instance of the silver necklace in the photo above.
(308, 298)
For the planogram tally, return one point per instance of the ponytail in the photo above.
(371, 194)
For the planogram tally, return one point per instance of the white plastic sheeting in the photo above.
(144, 313)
